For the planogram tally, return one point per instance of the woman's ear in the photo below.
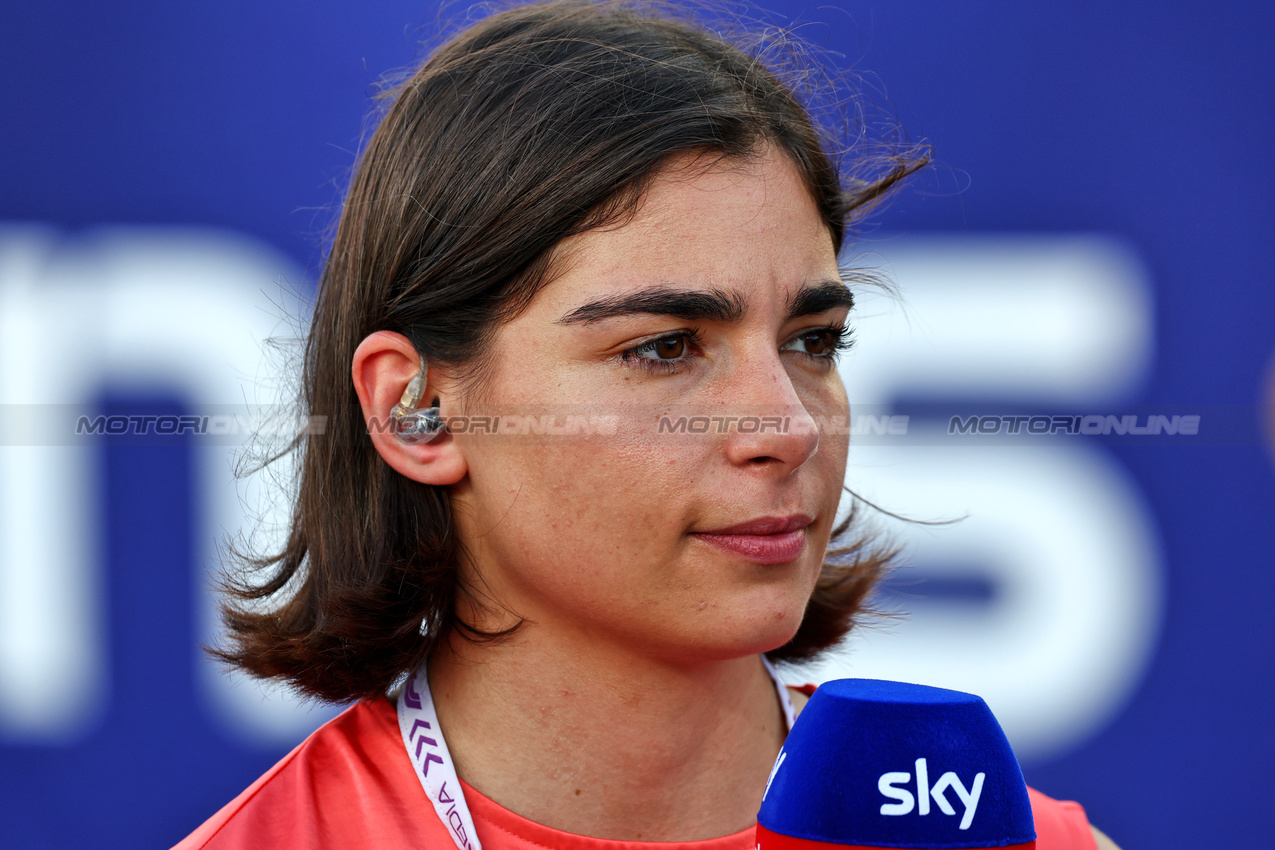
(384, 364)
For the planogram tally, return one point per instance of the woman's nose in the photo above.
(774, 430)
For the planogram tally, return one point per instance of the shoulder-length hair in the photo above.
(535, 124)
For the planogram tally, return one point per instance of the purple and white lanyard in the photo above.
(423, 737)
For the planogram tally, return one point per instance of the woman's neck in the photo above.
(595, 741)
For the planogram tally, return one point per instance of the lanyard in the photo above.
(423, 737)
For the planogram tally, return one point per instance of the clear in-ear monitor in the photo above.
(411, 423)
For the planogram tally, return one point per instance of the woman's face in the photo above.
(720, 298)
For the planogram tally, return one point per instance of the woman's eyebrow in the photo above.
(705, 305)
(712, 304)
(819, 297)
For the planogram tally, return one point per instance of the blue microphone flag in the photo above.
(871, 763)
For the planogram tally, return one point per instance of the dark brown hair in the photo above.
(535, 124)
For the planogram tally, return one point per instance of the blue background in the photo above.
(1150, 121)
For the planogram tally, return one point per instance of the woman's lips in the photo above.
(760, 548)
(769, 540)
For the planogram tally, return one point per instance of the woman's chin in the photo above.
(761, 629)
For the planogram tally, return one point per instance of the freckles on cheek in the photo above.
(589, 505)
(575, 490)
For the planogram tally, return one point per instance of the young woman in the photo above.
(588, 211)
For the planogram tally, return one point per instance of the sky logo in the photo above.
(889, 784)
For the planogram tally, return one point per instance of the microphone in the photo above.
(873, 764)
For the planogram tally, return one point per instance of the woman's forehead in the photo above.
(745, 229)
(693, 197)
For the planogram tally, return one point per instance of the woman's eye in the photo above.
(669, 348)
(819, 342)
(667, 353)
(823, 343)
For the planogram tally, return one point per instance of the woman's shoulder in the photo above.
(347, 784)
(1062, 824)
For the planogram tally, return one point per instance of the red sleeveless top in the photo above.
(351, 784)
